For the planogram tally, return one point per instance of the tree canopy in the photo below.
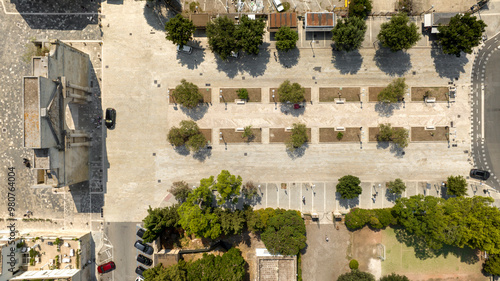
(228, 186)
(456, 185)
(188, 134)
(397, 34)
(289, 92)
(492, 265)
(394, 92)
(461, 34)
(285, 233)
(397, 186)
(286, 39)
(356, 275)
(360, 8)
(180, 190)
(179, 30)
(348, 187)
(398, 136)
(158, 221)
(394, 277)
(348, 34)
(298, 137)
(187, 94)
(250, 34)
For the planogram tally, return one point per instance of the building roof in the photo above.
(442, 18)
(277, 20)
(319, 21)
(31, 112)
(200, 20)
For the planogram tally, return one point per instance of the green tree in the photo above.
(492, 265)
(394, 277)
(394, 92)
(291, 92)
(461, 34)
(397, 34)
(232, 223)
(286, 39)
(176, 272)
(179, 30)
(160, 220)
(257, 221)
(360, 8)
(248, 133)
(188, 134)
(242, 94)
(187, 94)
(229, 266)
(249, 190)
(400, 137)
(456, 185)
(348, 34)
(250, 34)
(385, 132)
(285, 233)
(180, 190)
(356, 275)
(228, 186)
(397, 186)
(348, 187)
(221, 39)
(298, 137)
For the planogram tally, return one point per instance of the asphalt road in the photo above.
(122, 236)
(486, 110)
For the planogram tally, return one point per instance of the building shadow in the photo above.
(193, 60)
(448, 66)
(392, 63)
(347, 62)
(287, 59)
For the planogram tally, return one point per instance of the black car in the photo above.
(139, 270)
(140, 232)
(143, 247)
(479, 174)
(110, 118)
(144, 260)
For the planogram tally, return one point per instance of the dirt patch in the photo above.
(364, 250)
(330, 135)
(206, 92)
(421, 134)
(230, 94)
(280, 135)
(373, 132)
(233, 136)
(373, 93)
(440, 93)
(207, 133)
(350, 94)
(307, 95)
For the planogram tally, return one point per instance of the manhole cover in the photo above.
(4, 130)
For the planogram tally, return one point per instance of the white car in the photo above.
(278, 5)
(139, 278)
(185, 49)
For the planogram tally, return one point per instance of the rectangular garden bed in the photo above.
(280, 135)
(206, 92)
(440, 93)
(421, 134)
(330, 135)
(350, 94)
(207, 133)
(233, 136)
(230, 94)
(307, 95)
(373, 93)
(373, 132)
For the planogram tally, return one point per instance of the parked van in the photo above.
(279, 7)
(185, 49)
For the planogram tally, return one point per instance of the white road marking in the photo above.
(482, 111)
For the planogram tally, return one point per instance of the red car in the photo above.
(107, 267)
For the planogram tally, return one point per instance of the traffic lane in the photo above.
(122, 236)
(492, 115)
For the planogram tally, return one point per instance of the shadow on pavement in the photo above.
(392, 63)
(288, 108)
(448, 66)
(196, 113)
(157, 13)
(254, 65)
(347, 62)
(298, 152)
(386, 109)
(347, 203)
(288, 59)
(193, 60)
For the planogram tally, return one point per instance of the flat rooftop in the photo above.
(31, 112)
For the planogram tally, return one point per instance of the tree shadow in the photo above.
(202, 154)
(196, 113)
(347, 203)
(391, 197)
(448, 66)
(288, 59)
(254, 65)
(347, 62)
(157, 13)
(182, 150)
(193, 60)
(398, 151)
(298, 152)
(386, 109)
(288, 108)
(392, 63)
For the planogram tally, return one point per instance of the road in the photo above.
(486, 110)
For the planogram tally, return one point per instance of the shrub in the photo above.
(286, 6)
(243, 94)
(353, 264)
(357, 218)
(340, 135)
(385, 216)
(375, 223)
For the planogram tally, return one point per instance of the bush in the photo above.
(377, 218)
(286, 6)
(375, 223)
(353, 264)
(357, 218)
(340, 135)
(243, 94)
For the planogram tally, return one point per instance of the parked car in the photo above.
(110, 118)
(140, 232)
(479, 174)
(139, 270)
(144, 260)
(107, 267)
(143, 247)
(278, 5)
(185, 49)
